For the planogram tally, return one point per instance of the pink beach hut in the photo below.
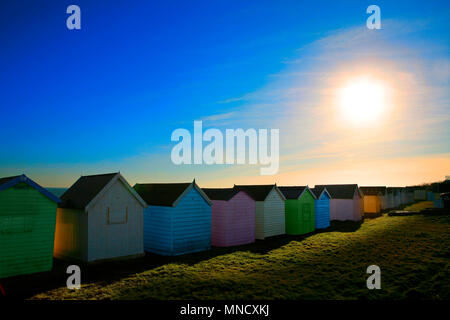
(232, 218)
(346, 202)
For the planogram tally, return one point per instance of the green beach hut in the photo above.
(299, 209)
(27, 226)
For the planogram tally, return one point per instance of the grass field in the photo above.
(419, 206)
(412, 251)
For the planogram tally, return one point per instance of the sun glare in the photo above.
(363, 100)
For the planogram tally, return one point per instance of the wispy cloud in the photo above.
(230, 100)
(217, 117)
(300, 102)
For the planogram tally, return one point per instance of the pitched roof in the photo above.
(394, 190)
(161, 194)
(6, 179)
(340, 191)
(257, 192)
(166, 194)
(8, 182)
(220, 193)
(318, 190)
(84, 192)
(292, 192)
(373, 191)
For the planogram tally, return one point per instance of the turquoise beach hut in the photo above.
(178, 218)
(322, 207)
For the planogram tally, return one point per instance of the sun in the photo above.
(363, 100)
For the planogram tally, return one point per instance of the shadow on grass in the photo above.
(435, 211)
(386, 211)
(344, 226)
(25, 286)
(400, 211)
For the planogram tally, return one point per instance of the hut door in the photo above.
(117, 220)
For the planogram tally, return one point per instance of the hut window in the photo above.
(16, 224)
(117, 216)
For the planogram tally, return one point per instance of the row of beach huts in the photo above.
(101, 217)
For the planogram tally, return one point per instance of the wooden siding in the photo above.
(191, 224)
(115, 225)
(390, 200)
(404, 196)
(410, 197)
(71, 234)
(274, 216)
(322, 209)
(437, 201)
(383, 202)
(397, 200)
(27, 229)
(346, 209)
(179, 230)
(233, 221)
(158, 230)
(259, 220)
(341, 209)
(300, 214)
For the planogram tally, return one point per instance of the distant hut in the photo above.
(322, 207)
(438, 189)
(383, 199)
(409, 194)
(404, 196)
(373, 197)
(269, 209)
(345, 203)
(437, 201)
(99, 218)
(299, 209)
(400, 195)
(178, 218)
(27, 226)
(389, 198)
(397, 196)
(445, 200)
(394, 197)
(232, 217)
(420, 194)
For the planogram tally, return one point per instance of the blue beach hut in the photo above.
(178, 218)
(322, 207)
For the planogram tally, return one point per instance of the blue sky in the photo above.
(107, 97)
